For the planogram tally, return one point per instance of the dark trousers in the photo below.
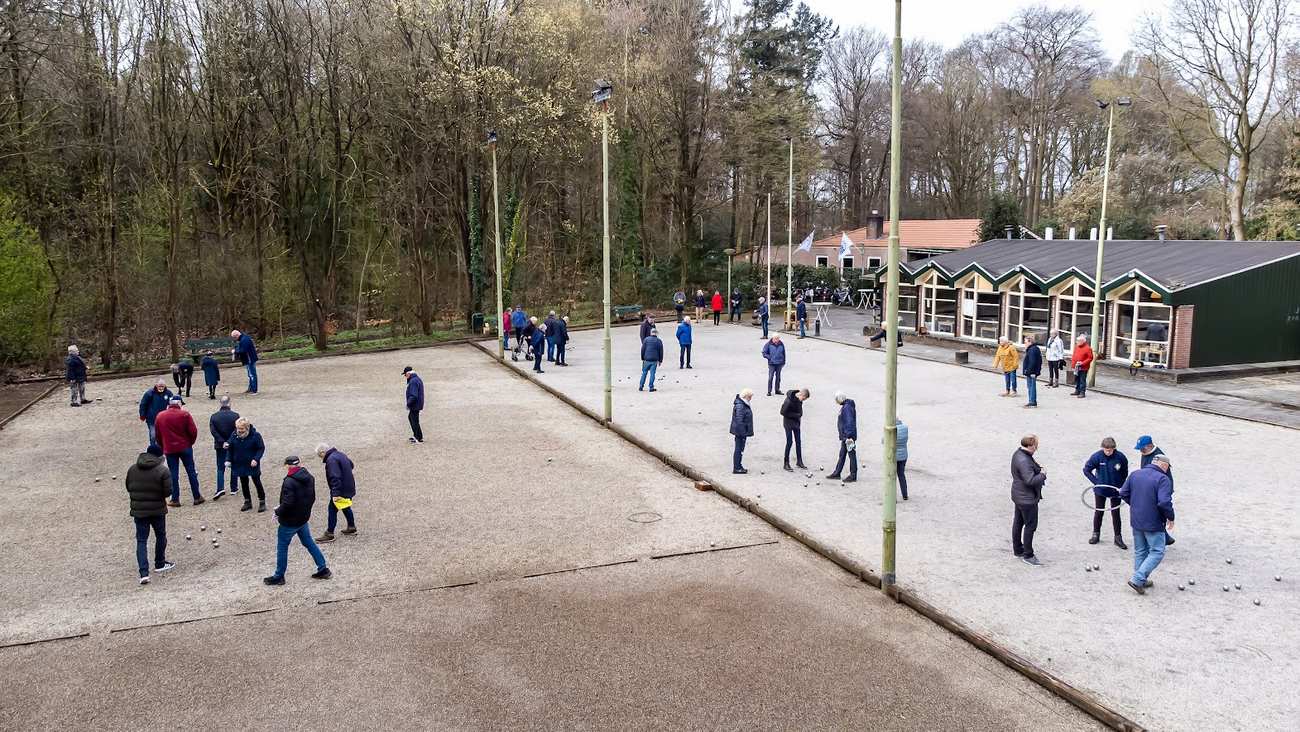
(684, 356)
(739, 451)
(538, 352)
(519, 336)
(902, 477)
(733, 314)
(413, 416)
(1100, 502)
(774, 372)
(795, 436)
(142, 527)
(1054, 372)
(184, 381)
(559, 354)
(852, 456)
(1023, 527)
(212, 391)
(243, 483)
(334, 517)
(764, 319)
(717, 317)
(1081, 381)
(174, 462)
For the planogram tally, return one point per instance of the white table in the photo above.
(864, 299)
(823, 312)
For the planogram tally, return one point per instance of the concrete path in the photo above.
(523, 569)
(1168, 659)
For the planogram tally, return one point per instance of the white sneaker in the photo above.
(167, 566)
(144, 580)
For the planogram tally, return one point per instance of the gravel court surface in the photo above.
(1235, 499)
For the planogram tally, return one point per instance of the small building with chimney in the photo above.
(918, 239)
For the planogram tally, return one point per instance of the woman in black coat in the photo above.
(791, 418)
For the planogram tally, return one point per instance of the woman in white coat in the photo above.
(1055, 359)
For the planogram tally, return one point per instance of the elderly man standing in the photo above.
(792, 420)
(684, 343)
(76, 376)
(762, 311)
(847, 426)
(652, 354)
(1147, 451)
(539, 341)
(221, 425)
(153, 403)
(1150, 495)
(1032, 368)
(736, 300)
(550, 336)
(1027, 479)
(297, 494)
(246, 352)
(414, 403)
(343, 488)
(1080, 361)
(561, 340)
(742, 428)
(774, 354)
(148, 484)
(176, 435)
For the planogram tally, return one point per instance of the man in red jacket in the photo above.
(176, 433)
(1080, 361)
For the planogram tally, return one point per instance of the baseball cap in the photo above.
(407, 370)
(1144, 441)
(292, 460)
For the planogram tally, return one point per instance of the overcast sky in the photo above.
(947, 22)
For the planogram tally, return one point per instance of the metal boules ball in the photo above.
(188, 537)
(1238, 585)
(204, 527)
(218, 531)
(1229, 561)
(1096, 567)
(1277, 578)
(1191, 582)
(216, 545)
(1181, 588)
(1086, 568)
(1256, 600)
(114, 477)
(1225, 588)
(96, 480)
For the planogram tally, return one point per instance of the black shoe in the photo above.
(742, 471)
(801, 466)
(1095, 539)
(261, 506)
(1020, 553)
(274, 579)
(851, 479)
(787, 467)
(833, 476)
(248, 506)
(653, 389)
(322, 574)
(688, 365)
(1120, 543)
(1169, 540)
(904, 496)
(780, 393)
(1138, 588)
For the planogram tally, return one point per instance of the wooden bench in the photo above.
(623, 312)
(196, 346)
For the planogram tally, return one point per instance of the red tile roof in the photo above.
(917, 233)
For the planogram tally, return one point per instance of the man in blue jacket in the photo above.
(1150, 495)
(414, 403)
(801, 314)
(762, 311)
(246, 352)
(211, 373)
(1032, 367)
(76, 376)
(221, 425)
(736, 301)
(1107, 467)
(684, 343)
(652, 354)
(518, 319)
(343, 488)
(1147, 451)
(847, 424)
(742, 427)
(550, 336)
(153, 403)
(774, 354)
(561, 340)
(538, 341)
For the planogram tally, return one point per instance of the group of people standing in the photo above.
(1007, 360)
(549, 337)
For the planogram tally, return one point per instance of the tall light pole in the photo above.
(1097, 302)
(496, 223)
(600, 96)
(789, 238)
(768, 300)
(731, 253)
(889, 509)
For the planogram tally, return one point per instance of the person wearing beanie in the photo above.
(176, 434)
(414, 403)
(148, 483)
(221, 425)
(153, 403)
(297, 495)
(1148, 451)
(76, 376)
(211, 373)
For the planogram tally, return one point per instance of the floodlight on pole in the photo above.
(1097, 300)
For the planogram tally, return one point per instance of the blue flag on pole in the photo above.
(806, 245)
(846, 245)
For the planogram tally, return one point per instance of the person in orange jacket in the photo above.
(1080, 361)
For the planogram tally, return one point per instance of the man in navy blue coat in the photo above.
(211, 373)
(1150, 495)
(1031, 367)
(847, 425)
(414, 403)
(561, 340)
(774, 354)
(221, 425)
(246, 352)
(742, 427)
(76, 376)
(343, 488)
(538, 341)
(153, 403)
(1107, 467)
(652, 354)
(801, 314)
(762, 312)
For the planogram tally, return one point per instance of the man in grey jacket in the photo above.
(1027, 479)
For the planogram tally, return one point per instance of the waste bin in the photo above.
(476, 323)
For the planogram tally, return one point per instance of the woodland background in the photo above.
(317, 169)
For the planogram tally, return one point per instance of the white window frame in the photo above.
(930, 296)
(846, 262)
(1067, 305)
(823, 261)
(1017, 297)
(1146, 350)
(975, 293)
(903, 312)
(873, 262)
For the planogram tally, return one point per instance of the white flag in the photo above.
(806, 245)
(846, 245)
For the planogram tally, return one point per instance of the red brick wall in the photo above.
(1182, 337)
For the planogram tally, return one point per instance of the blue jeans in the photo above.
(648, 367)
(252, 377)
(1148, 550)
(142, 527)
(774, 373)
(1010, 378)
(550, 348)
(1031, 383)
(284, 535)
(1081, 381)
(174, 461)
(221, 471)
(803, 327)
(764, 326)
(153, 436)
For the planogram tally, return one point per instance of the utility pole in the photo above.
(601, 95)
(496, 222)
(889, 509)
(789, 240)
(1097, 302)
(768, 301)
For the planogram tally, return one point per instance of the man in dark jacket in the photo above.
(1106, 467)
(343, 488)
(414, 403)
(801, 314)
(652, 354)
(762, 311)
(297, 494)
(1027, 479)
(1031, 367)
(791, 419)
(847, 426)
(550, 335)
(742, 427)
(221, 425)
(177, 434)
(1150, 495)
(246, 352)
(211, 373)
(148, 484)
(684, 341)
(76, 376)
(539, 343)
(647, 325)
(518, 320)
(736, 301)
(1148, 451)
(183, 375)
(774, 354)
(561, 340)
(152, 404)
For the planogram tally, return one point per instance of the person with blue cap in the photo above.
(1148, 450)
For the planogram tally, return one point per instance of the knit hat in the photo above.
(155, 450)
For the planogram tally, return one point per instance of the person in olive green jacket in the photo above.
(149, 484)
